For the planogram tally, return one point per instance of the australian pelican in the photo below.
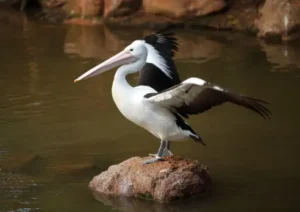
(160, 111)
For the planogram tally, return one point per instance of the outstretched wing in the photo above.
(160, 71)
(195, 95)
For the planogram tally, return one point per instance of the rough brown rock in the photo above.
(52, 3)
(121, 7)
(84, 8)
(271, 19)
(183, 8)
(162, 181)
(239, 15)
(280, 19)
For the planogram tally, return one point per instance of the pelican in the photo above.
(161, 112)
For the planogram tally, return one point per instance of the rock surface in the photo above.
(162, 181)
(270, 19)
(183, 8)
(52, 3)
(83, 8)
(279, 19)
(117, 8)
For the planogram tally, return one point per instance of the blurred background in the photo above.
(57, 135)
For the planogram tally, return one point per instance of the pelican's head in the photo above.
(135, 54)
(138, 49)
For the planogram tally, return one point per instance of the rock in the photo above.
(162, 181)
(121, 7)
(238, 15)
(52, 3)
(84, 8)
(183, 8)
(279, 19)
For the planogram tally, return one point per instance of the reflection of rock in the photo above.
(197, 48)
(121, 7)
(162, 181)
(35, 166)
(92, 42)
(100, 42)
(180, 8)
(135, 205)
(84, 41)
(282, 56)
(279, 19)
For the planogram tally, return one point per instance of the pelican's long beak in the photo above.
(124, 57)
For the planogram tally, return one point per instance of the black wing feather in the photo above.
(164, 42)
(166, 45)
(210, 97)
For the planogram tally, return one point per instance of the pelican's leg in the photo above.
(162, 147)
(159, 154)
(167, 151)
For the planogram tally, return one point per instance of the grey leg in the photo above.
(167, 151)
(159, 154)
(162, 147)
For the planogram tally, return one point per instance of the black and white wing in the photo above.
(160, 71)
(195, 95)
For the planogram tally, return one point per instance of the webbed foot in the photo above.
(166, 152)
(152, 160)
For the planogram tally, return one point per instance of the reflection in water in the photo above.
(87, 42)
(197, 49)
(135, 205)
(101, 42)
(285, 57)
(125, 204)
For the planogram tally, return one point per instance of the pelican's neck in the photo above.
(121, 89)
(123, 71)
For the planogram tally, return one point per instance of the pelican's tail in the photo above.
(187, 129)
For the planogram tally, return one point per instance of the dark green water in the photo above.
(56, 135)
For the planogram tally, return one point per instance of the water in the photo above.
(56, 135)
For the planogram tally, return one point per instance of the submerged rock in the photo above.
(162, 181)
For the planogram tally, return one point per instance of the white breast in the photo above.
(130, 101)
(158, 120)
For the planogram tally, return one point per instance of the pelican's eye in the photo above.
(131, 50)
